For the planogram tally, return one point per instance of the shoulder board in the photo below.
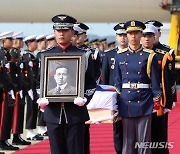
(122, 50)
(166, 46)
(160, 51)
(148, 50)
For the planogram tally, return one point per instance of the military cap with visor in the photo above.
(119, 28)
(150, 30)
(134, 25)
(83, 27)
(155, 23)
(63, 21)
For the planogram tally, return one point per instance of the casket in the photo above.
(100, 116)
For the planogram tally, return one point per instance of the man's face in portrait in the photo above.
(61, 76)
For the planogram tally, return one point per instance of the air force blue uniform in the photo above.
(134, 68)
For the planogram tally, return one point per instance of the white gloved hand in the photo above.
(21, 65)
(80, 101)
(7, 65)
(30, 63)
(38, 91)
(21, 94)
(30, 93)
(11, 92)
(42, 102)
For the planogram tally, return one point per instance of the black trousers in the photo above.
(66, 139)
(87, 139)
(41, 121)
(160, 132)
(31, 113)
(118, 136)
(18, 117)
(7, 108)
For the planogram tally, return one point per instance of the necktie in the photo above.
(58, 91)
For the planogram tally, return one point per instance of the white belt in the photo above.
(135, 85)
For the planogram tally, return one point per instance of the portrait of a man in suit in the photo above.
(63, 84)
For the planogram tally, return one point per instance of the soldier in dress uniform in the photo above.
(103, 43)
(108, 78)
(166, 61)
(95, 52)
(82, 36)
(137, 82)
(16, 67)
(31, 73)
(7, 92)
(111, 45)
(51, 41)
(65, 121)
(41, 47)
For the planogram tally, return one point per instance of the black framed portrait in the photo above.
(62, 76)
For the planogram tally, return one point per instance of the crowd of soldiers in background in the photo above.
(20, 84)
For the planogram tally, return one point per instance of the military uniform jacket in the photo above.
(108, 67)
(74, 114)
(167, 75)
(135, 68)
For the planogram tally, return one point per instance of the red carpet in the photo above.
(102, 138)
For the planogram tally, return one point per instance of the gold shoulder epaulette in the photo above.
(122, 50)
(148, 50)
(160, 51)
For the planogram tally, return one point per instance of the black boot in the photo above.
(4, 145)
(17, 140)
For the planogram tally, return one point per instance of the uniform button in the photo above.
(126, 63)
(139, 82)
(129, 101)
(127, 54)
(129, 91)
(138, 101)
(127, 72)
(139, 72)
(141, 54)
(139, 63)
(138, 91)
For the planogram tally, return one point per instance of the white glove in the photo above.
(38, 91)
(80, 101)
(21, 94)
(30, 93)
(30, 63)
(42, 102)
(21, 65)
(7, 65)
(11, 92)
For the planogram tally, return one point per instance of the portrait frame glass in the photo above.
(74, 63)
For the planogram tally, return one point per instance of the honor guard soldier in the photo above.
(166, 61)
(65, 121)
(96, 53)
(108, 78)
(7, 93)
(82, 36)
(103, 45)
(51, 41)
(137, 82)
(16, 67)
(41, 47)
(31, 70)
